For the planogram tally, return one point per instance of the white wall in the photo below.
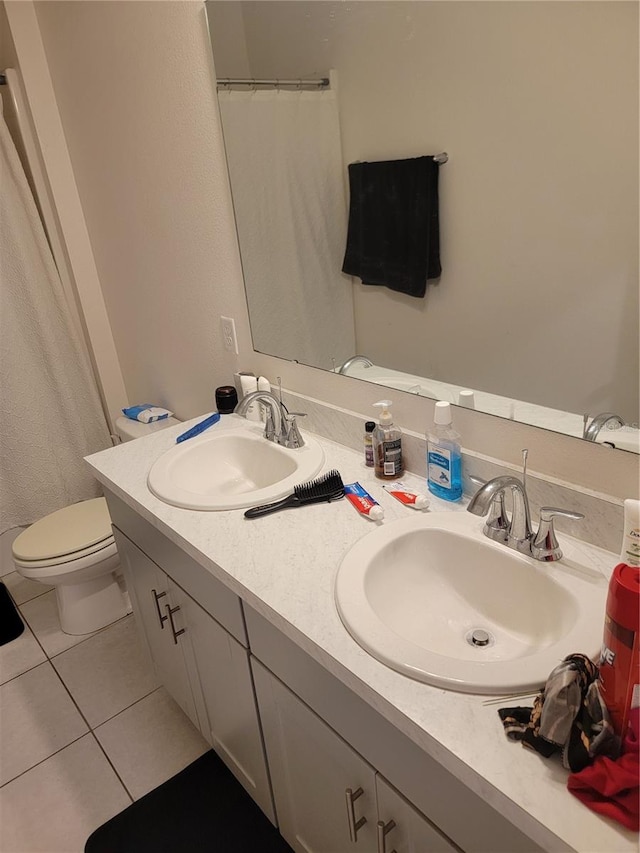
(133, 81)
(230, 51)
(9, 59)
(537, 105)
(134, 88)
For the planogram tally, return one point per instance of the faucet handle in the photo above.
(292, 438)
(269, 426)
(545, 545)
(497, 524)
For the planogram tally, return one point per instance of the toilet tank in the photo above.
(127, 430)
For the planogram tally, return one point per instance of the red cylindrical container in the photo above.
(620, 656)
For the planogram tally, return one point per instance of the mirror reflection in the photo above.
(536, 104)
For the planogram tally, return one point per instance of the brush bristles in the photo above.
(328, 486)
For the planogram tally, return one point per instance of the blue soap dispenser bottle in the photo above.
(444, 460)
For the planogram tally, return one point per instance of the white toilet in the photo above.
(74, 550)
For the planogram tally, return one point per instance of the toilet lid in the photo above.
(74, 528)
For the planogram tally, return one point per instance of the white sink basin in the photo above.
(412, 386)
(229, 467)
(625, 438)
(413, 592)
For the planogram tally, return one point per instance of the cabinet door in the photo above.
(221, 675)
(323, 790)
(402, 828)
(149, 589)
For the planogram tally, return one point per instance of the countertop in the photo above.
(284, 566)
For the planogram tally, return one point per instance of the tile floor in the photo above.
(85, 728)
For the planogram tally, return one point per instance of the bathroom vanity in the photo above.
(342, 752)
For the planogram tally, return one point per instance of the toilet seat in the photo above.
(69, 563)
(69, 534)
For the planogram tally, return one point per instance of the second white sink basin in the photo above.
(232, 466)
(625, 438)
(436, 600)
(412, 386)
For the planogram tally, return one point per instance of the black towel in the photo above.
(393, 235)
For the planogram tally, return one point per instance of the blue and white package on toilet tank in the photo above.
(146, 413)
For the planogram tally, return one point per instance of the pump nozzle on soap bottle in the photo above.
(387, 445)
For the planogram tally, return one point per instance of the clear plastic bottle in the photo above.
(444, 460)
(387, 445)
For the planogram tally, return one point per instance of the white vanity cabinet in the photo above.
(204, 668)
(403, 829)
(229, 719)
(266, 669)
(323, 790)
(328, 798)
(311, 720)
(159, 622)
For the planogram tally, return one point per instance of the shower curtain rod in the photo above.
(320, 83)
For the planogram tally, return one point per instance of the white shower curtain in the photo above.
(287, 178)
(50, 412)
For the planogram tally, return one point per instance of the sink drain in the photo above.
(480, 638)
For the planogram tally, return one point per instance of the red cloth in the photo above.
(612, 788)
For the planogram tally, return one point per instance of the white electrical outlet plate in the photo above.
(229, 334)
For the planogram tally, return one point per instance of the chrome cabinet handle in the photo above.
(156, 597)
(170, 612)
(383, 829)
(354, 825)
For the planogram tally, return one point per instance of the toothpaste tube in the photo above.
(363, 502)
(405, 496)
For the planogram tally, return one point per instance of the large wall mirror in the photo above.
(536, 105)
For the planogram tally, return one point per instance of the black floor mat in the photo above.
(11, 625)
(203, 808)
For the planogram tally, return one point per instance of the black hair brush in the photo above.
(329, 487)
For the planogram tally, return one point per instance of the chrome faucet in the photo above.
(516, 532)
(355, 359)
(280, 425)
(599, 421)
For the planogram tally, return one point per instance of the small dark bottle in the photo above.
(368, 444)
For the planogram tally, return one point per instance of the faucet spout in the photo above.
(274, 405)
(355, 359)
(599, 422)
(280, 425)
(519, 533)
